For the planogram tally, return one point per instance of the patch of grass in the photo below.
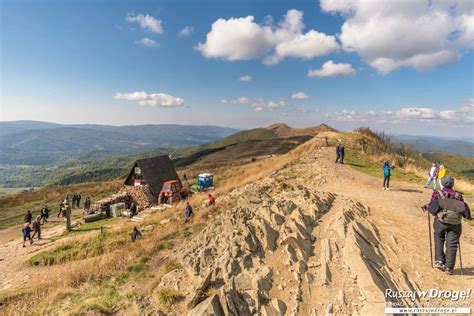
(365, 165)
(139, 268)
(171, 265)
(103, 299)
(78, 250)
(168, 297)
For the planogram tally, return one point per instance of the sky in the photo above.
(404, 67)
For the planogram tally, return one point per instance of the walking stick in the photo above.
(429, 237)
(460, 257)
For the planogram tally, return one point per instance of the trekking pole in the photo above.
(460, 257)
(429, 237)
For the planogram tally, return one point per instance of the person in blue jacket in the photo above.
(387, 171)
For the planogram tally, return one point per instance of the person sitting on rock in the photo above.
(136, 234)
(212, 200)
(188, 212)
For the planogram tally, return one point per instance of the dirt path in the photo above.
(15, 271)
(401, 225)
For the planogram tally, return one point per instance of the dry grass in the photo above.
(62, 282)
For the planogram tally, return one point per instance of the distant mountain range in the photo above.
(42, 143)
(436, 144)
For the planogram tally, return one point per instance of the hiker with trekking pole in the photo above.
(448, 208)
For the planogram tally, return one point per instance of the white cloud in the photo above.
(246, 78)
(460, 116)
(300, 96)
(146, 22)
(186, 31)
(147, 42)
(259, 104)
(331, 69)
(243, 39)
(150, 99)
(393, 34)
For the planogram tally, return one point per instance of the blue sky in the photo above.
(86, 62)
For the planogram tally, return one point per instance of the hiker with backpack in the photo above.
(26, 233)
(342, 151)
(448, 208)
(432, 176)
(338, 152)
(37, 228)
(28, 217)
(387, 171)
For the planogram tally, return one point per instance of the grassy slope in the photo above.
(370, 167)
(103, 273)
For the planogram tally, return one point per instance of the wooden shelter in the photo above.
(152, 172)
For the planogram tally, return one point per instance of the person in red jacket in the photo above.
(212, 200)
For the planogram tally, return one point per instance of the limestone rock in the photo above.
(210, 307)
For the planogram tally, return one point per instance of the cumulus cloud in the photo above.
(300, 96)
(146, 22)
(259, 104)
(246, 78)
(393, 34)
(147, 42)
(460, 116)
(150, 99)
(186, 31)
(243, 39)
(331, 69)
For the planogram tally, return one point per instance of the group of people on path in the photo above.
(34, 227)
(435, 174)
(446, 206)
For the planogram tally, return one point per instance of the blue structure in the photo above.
(205, 181)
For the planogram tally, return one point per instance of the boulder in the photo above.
(210, 307)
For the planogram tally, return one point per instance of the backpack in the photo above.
(451, 209)
(386, 171)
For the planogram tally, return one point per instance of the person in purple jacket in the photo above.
(447, 224)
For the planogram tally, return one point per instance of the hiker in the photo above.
(338, 152)
(448, 208)
(136, 234)
(26, 231)
(87, 203)
(28, 217)
(212, 200)
(432, 176)
(188, 212)
(74, 200)
(441, 175)
(133, 210)
(342, 152)
(387, 171)
(78, 199)
(37, 228)
(45, 214)
(61, 206)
